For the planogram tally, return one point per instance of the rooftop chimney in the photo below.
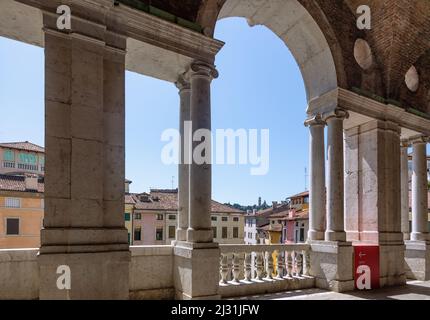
(127, 186)
(31, 182)
(275, 204)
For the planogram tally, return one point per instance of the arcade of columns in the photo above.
(362, 198)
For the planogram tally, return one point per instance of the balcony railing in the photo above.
(258, 269)
(9, 164)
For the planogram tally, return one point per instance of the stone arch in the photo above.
(290, 21)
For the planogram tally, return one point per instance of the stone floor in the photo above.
(414, 290)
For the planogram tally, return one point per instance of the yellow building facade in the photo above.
(21, 218)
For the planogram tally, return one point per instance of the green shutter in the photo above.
(127, 216)
(8, 155)
(27, 158)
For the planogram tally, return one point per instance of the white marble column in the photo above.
(199, 230)
(404, 187)
(419, 191)
(184, 87)
(335, 185)
(317, 202)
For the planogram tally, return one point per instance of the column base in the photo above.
(196, 271)
(337, 236)
(94, 276)
(419, 236)
(332, 265)
(200, 235)
(181, 234)
(417, 260)
(314, 235)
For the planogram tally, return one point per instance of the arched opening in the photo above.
(290, 21)
(260, 87)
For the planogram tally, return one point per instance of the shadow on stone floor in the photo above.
(415, 290)
(281, 295)
(410, 291)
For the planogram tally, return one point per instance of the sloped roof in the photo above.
(167, 200)
(270, 211)
(17, 183)
(299, 195)
(282, 214)
(25, 145)
(129, 199)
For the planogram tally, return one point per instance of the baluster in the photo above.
(299, 261)
(306, 262)
(289, 264)
(236, 267)
(247, 265)
(280, 264)
(259, 265)
(224, 268)
(269, 265)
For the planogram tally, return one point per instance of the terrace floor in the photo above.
(414, 290)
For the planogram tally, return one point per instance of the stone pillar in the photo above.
(84, 182)
(199, 229)
(317, 194)
(335, 185)
(372, 194)
(417, 254)
(419, 191)
(196, 261)
(183, 85)
(404, 189)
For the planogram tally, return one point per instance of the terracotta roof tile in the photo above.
(17, 183)
(25, 145)
(129, 199)
(301, 194)
(167, 200)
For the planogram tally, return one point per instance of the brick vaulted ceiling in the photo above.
(399, 39)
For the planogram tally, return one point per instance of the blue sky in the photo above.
(260, 87)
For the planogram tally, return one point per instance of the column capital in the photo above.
(405, 143)
(183, 82)
(419, 140)
(340, 114)
(203, 69)
(315, 120)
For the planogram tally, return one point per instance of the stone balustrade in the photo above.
(257, 269)
(244, 270)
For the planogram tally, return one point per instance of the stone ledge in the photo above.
(153, 294)
(151, 251)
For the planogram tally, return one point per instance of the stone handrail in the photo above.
(249, 262)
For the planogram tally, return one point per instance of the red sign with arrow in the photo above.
(366, 267)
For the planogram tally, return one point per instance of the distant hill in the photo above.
(263, 206)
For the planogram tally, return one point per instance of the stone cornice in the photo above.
(354, 102)
(164, 34)
(368, 107)
(141, 26)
